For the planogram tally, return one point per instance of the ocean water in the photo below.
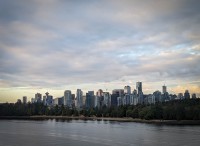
(94, 133)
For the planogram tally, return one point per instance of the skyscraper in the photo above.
(90, 99)
(115, 94)
(187, 94)
(119, 92)
(79, 98)
(68, 98)
(38, 97)
(164, 89)
(24, 99)
(106, 98)
(139, 87)
(194, 95)
(99, 93)
(140, 93)
(127, 90)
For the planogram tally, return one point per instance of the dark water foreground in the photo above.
(94, 133)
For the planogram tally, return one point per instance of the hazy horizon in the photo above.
(56, 45)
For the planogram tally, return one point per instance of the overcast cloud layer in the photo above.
(58, 45)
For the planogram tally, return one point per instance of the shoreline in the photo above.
(158, 122)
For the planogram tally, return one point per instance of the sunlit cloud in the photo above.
(57, 45)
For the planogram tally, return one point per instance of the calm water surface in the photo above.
(98, 133)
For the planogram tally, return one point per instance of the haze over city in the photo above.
(56, 45)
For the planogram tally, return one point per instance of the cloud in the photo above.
(60, 44)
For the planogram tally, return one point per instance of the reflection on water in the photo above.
(98, 133)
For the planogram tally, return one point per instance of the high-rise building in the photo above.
(150, 99)
(79, 98)
(84, 99)
(115, 94)
(139, 92)
(24, 99)
(164, 89)
(97, 101)
(73, 100)
(58, 101)
(119, 92)
(139, 87)
(90, 99)
(44, 100)
(68, 98)
(135, 97)
(126, 99)
(180, 95)
(99, 93)
(114, 99)
(119, 101)
(107, 100)
(32, 100)
(19, 101)
(38, 97)
(49, 100)
(127, 90)
(194, 95)
(158, 96)
(187, 94)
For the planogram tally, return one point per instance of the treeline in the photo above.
(188, 109)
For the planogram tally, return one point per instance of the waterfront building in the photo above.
(24, 99)
(73, 100)
(151, 99)
(139, 87)
(114, 99)
(127, 90)
(180, 96)
(187, 94)
(79, 98)
(140, 98)
(38, 97)
(44, 100)
(49, 100)
(19, 101)
(158, 96)
(139, 92)
(115, 94)
(119, 101)
(131, 99)
(32, 100)
(68, 98)
(164, 89)
(58, 101)
(97, 101)
(194, 95)
(90, 100)
(99, 93)
(107, 99)
(126, 99)
(119, 92)
(135, 100)
(84, 100)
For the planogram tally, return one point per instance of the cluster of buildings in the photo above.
(118, 97)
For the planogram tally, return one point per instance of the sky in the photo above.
(57, 45)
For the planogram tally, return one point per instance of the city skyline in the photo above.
(59, 45)
(126, 90)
